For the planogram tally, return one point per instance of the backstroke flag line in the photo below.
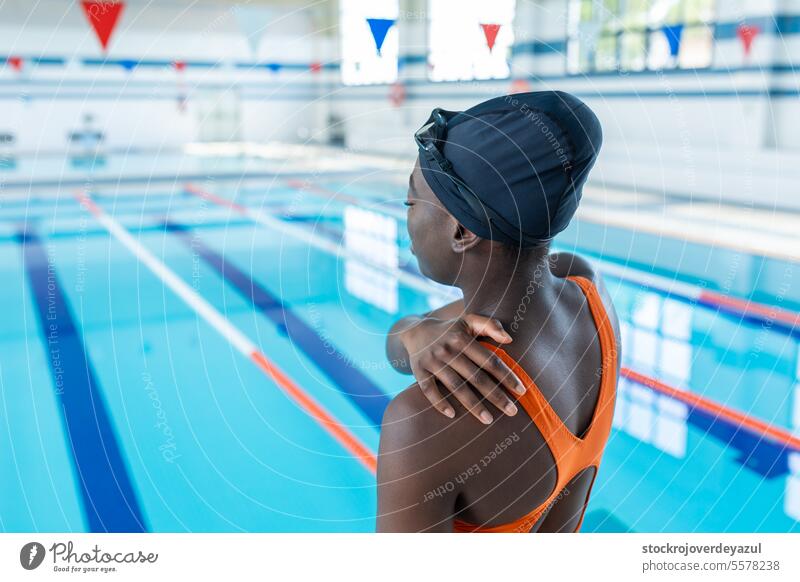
(674, 34)
(747, 34)
(103, 18)
(490, 32)
(379, 27)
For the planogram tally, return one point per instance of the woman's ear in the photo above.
(463, 239)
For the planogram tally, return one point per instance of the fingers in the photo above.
(455, 383)
(427, 384)
(480, 325)
(487, 386)
(491, 363)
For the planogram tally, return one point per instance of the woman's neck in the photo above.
(505, 288)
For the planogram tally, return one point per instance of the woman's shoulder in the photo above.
(412, 427)
(571, 265)
(411, 413)
(416, 454)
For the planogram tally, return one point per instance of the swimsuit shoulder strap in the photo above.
(604, 409)
(549, 423)
(572, 454)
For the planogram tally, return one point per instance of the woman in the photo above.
(491, 187)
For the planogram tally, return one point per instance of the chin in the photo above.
(432, 275)
(423, 268)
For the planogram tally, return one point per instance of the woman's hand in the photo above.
(447, 351)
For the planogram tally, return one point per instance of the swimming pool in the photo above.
(204, 353)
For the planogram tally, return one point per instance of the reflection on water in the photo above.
(371, 236)
(664, 338)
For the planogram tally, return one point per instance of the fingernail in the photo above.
(486, 417)
(449, 412)
(519, 389)
(511, 410)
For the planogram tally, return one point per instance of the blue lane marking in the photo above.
(109, 502)
(755, 452)
(351, 382)
(103, 233)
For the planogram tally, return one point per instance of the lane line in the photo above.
(109, 501)
(79, 180)
(237, 339)
(783, 319)
(653, 281)
(350, 380)
(760, 312)
(736, 418)
(777, 317)
(275, 224)
(328, 194)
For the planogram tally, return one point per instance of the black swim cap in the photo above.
(512, 169)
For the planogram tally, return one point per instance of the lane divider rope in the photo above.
(737, 418)
(237, 339)
(788, 320)
(276, 224)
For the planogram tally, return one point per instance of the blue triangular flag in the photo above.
(379, 27)
(673, 34)
(128, 64)
(274, 67)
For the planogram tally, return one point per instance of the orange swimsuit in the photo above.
(572, 454)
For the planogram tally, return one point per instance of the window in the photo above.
(470, 39)
(369, 41)
(631, 35)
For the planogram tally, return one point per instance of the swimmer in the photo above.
(505, 427)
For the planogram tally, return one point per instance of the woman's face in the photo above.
(431, 228)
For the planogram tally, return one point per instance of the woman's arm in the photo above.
(413, 490)
(441, 349)
(396, 351)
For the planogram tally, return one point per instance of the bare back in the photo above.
(493, 475)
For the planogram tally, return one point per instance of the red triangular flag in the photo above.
(180, 66)
(490, 32)
(15, 63)
(316, 67)
(103, 17)
(747, 33)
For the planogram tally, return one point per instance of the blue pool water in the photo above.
(135, 414)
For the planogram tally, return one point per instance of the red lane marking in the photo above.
(347, 439)
(194, 190)
(323, 192)
(88, 203)
(749, 308)
(738, 418)
(368, 458)
(766, 312)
